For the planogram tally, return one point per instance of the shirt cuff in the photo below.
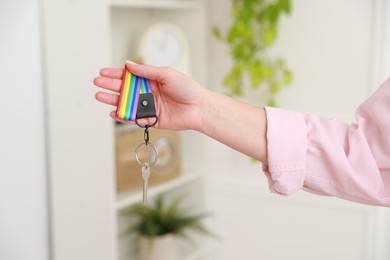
(286, 150)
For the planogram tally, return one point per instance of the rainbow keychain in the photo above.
(136, 101)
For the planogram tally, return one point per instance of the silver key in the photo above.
(145, 175)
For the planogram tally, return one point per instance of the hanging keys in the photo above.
(145, 175)
(146, 155)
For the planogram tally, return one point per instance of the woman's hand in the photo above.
(182, 104)
(178, 97)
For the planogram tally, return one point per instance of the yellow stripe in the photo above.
(125, 95)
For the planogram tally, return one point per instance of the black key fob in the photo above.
(146, 108)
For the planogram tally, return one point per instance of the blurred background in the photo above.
(67, 171)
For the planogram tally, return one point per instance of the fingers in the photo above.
(107, 98)
(142, 122)
(113, 115)
(111, 73)
(147, 71)
(108, 83)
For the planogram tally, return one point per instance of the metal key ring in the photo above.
(146, 163)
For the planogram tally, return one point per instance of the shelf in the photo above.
(127, 199)
(157, 4)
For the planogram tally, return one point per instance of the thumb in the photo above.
(147, 71)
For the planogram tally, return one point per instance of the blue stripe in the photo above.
(132, 106)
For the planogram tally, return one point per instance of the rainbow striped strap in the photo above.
(131, 89)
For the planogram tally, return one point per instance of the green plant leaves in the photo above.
(285, 5)
(160, 219)
(253, 31)
(217, 32)
(271, 13)
(269, 36)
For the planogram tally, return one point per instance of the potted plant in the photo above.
(252, 32)
(159, 225)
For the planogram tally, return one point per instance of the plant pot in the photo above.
(159, 248)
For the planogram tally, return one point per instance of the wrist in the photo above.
(204, 110)
(236, 124)
(207, 112)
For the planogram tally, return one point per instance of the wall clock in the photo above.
(166, 45)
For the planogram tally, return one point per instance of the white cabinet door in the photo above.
(23, 187)
(80, 135)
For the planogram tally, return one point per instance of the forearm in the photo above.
(238, 125)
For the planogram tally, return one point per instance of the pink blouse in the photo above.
(330, 157)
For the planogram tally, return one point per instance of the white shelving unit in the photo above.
(85, 219)
(152, 4)
(127, 20)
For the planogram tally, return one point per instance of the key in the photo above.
(145, 175)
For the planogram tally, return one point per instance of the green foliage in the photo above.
(160, 219)
(252, 32)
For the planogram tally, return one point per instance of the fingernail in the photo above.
(130, 62)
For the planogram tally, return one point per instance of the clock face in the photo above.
(162, 48)
(165, 45)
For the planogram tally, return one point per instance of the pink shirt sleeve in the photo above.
(330, 157)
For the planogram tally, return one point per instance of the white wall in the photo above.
(386, 39)
(331, 47)
(23, 190)
(334, 50)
